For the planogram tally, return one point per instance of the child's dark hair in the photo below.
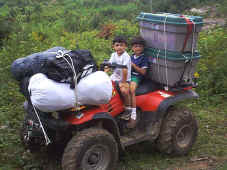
(119, 39)
(138, 40)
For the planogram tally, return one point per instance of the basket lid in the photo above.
(168, 18)
(171, 55)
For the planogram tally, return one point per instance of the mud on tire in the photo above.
(178, 132)
(91, 149)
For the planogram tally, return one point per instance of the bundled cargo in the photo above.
(173, 32)
(57, 63)
(48, 95)
(34, 63)
(95, 89)
(171, 68)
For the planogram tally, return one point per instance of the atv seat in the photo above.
(146, 86)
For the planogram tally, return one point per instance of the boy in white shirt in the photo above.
(120, 56)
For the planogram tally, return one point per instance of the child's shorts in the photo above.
(136, 79)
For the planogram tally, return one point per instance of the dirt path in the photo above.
(212, 20)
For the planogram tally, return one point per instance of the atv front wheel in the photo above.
(178, 132)
(91, 149)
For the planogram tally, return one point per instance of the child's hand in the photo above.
(133, 65)
(142, 71)
(106, 69)
(124, 87)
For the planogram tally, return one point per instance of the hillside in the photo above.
(29, 26)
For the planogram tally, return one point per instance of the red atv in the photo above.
(94, 136)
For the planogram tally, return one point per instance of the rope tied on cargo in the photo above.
(63, 55)
(47, 139)
(189, 30)
(158, 65)
(186, 58)
(165, 46)
(188, 61)
(192, 52)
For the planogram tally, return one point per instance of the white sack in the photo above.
(48, 95)
(94, 89)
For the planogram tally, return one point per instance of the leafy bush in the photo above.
(213, 66)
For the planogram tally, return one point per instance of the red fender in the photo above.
(151, 101)
(114, 107)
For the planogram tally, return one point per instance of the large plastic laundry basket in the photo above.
(173, 32)
(171, 68)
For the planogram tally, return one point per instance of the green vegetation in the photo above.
(29, 26)
(213, 67)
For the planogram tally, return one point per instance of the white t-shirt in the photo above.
(123, 59)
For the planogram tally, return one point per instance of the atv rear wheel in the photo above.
(91, 149)
(178, 132)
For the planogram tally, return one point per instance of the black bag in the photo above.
(34, 63)
(57, 69)
(60, 69)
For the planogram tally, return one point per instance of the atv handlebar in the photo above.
(111, 65)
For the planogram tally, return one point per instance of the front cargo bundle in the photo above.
(59, 79)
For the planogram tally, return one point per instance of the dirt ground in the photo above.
(212, 19)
